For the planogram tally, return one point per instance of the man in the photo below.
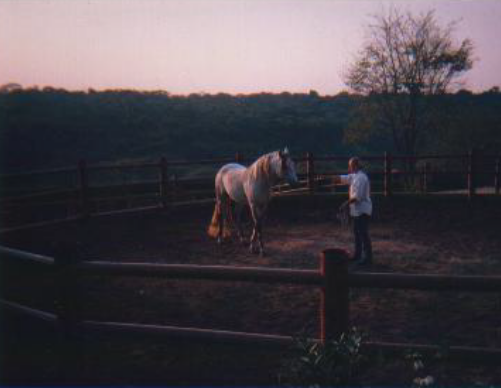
(360, 209)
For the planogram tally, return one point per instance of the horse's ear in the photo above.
(286, 151)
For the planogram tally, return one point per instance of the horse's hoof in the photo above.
(252, 249)
(219, 241)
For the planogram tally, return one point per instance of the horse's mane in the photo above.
(262, 167)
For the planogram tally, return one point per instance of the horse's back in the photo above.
(230, 179)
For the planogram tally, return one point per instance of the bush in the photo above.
(315, 364)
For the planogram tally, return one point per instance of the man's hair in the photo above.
(355, 160)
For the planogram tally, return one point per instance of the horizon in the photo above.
(495, 88)
(214, 94)
(235, 47)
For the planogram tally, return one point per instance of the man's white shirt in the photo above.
(360, 189)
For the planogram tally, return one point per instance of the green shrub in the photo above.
(315, 364)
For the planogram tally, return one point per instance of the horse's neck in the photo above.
(262, 171)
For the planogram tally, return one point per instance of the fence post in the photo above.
(68, 309)
(163, 182)
(334, 305)
(387, 174)
(471, 173)
(238, 157)
(310, 171)
(497, 177)
(83, 183)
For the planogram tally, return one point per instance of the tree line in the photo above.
(43, 128)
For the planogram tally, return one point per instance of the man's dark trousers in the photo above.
(362, 239)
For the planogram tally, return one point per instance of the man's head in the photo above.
(353, 164)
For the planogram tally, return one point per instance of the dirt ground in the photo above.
(416, 235)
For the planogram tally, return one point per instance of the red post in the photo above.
(163, 182)
(471, 174)
(83, 184)
(238, 158)
(335, 304)
(310, 171)
(387, 174)
(497, 177)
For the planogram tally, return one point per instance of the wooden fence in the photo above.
(168, 187)
(333, 279)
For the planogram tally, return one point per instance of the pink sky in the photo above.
(232, 46)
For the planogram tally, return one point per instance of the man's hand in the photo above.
(336, 179)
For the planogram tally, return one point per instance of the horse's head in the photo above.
(287, 169)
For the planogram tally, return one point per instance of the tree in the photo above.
(405, 60)
(7, 88)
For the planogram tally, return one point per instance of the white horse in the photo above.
(251, 186)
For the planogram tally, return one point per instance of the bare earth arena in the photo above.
(431, 234)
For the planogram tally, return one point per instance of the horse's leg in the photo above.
(254, 229)
(221, 205)
(261, 217)
(238, 216)
(253, 238)
(220, 223)
(220, 192)
(257, 216)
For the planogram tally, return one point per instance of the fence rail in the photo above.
(17, 254)
(180, 333)
(167, 188)
(333, 279)
(206, 272)
(425, 282)
(218, 161)
(28, 311)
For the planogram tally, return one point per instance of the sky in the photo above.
(212, 46)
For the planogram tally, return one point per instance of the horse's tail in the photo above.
(213, 229)
(218, 217)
